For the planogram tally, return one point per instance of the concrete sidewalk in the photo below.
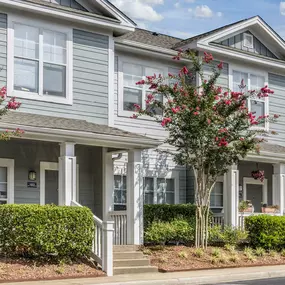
(190, 277)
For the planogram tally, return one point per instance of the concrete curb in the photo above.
(211, 279)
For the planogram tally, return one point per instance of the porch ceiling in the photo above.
(75, 130)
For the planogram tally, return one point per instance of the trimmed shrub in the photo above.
(266, 231)
(226, 235)
(168, 213)
(177, 231)
(46, 231)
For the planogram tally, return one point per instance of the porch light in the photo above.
(32, 175)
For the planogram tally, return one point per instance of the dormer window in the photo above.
(247, 40)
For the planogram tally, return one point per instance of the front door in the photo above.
(51, 187)
(254, 194)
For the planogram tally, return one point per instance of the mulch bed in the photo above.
(182, 258)
(23, 269)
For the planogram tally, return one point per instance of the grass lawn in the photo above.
(176, 258)
(16, 269)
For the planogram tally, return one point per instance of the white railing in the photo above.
(218, 219)
(120, 227)
(102, 247)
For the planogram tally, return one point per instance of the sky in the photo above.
(187, 18)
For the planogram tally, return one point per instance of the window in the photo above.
(3, 185)
(247, 40)
(159, 190)
(137, 94)
(216, 199)
(120, 192)
(41, 67)
(259, 106)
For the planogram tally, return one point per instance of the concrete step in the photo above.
(131, 262)
(132, 270)
(124, 248)
(128, 255)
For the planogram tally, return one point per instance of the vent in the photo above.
(247, 40)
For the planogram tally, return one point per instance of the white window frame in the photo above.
(10, 165)
(121, 175)
(221, 180)
(41, 25)
(171, 175)
(251, 71)
(144, 64)
(244, 40)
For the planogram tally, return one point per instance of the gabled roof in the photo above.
(206, 34)
(151, 38)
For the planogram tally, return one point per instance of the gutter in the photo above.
(132, 142)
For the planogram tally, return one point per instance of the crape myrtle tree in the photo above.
(7, 105)
(209, 128)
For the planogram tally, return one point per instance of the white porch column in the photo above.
(231, 198)
(278, 186)
(67, 174)
(108, 183)
(134, 198)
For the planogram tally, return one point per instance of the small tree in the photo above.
(5, 107)
(209, 128)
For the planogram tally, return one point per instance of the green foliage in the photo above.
(183, 254)
(282, 252)
(230, 248)
(178, 231)
(216, 252)
(228, 235)
(199, 252)
(260, 251)
(46, 231)
(168, 213)
(266, 231)
(248, 251)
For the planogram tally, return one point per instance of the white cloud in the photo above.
(203, 11)
(177, 5)
(190, 10)
(140, 9)
(189, 1)
(181, 34)
(219, 14)
(282, 8)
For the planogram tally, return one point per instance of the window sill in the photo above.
(43, 98)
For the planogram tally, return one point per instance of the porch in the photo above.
(70, 162)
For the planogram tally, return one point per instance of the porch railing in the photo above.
(120, 227)
(218, 219)
(102, 247)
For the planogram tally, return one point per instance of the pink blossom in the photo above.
(217, 98)
(241, 139)
(134, 116)
(170, 75)
(198, 108)
(223, 142)
(276, 116)
(220, 65)
(208, 121)
(207, 57)
(12, 104)
(3, 92)
(141, 82)
(165, 121)
(184, 70)
(196, 113)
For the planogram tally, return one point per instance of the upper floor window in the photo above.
(248, 40)
(40, 62)
(252, 81)
(137, 94)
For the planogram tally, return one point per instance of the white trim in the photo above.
(68, 15)
(9, 164)
(244, 40)
(42, 25)
(45, 165)
(248, 180)
(111, 82)
(251, 71)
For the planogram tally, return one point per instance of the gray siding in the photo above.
(258, 47)
(90, 78)
(223, 80)
(277, 105)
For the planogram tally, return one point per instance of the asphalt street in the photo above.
(274, 281)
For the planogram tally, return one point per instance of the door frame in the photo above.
(46, 165)
(249, 180)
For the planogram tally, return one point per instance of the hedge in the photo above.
(266, 231)
(168, 213)
(46, 231)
